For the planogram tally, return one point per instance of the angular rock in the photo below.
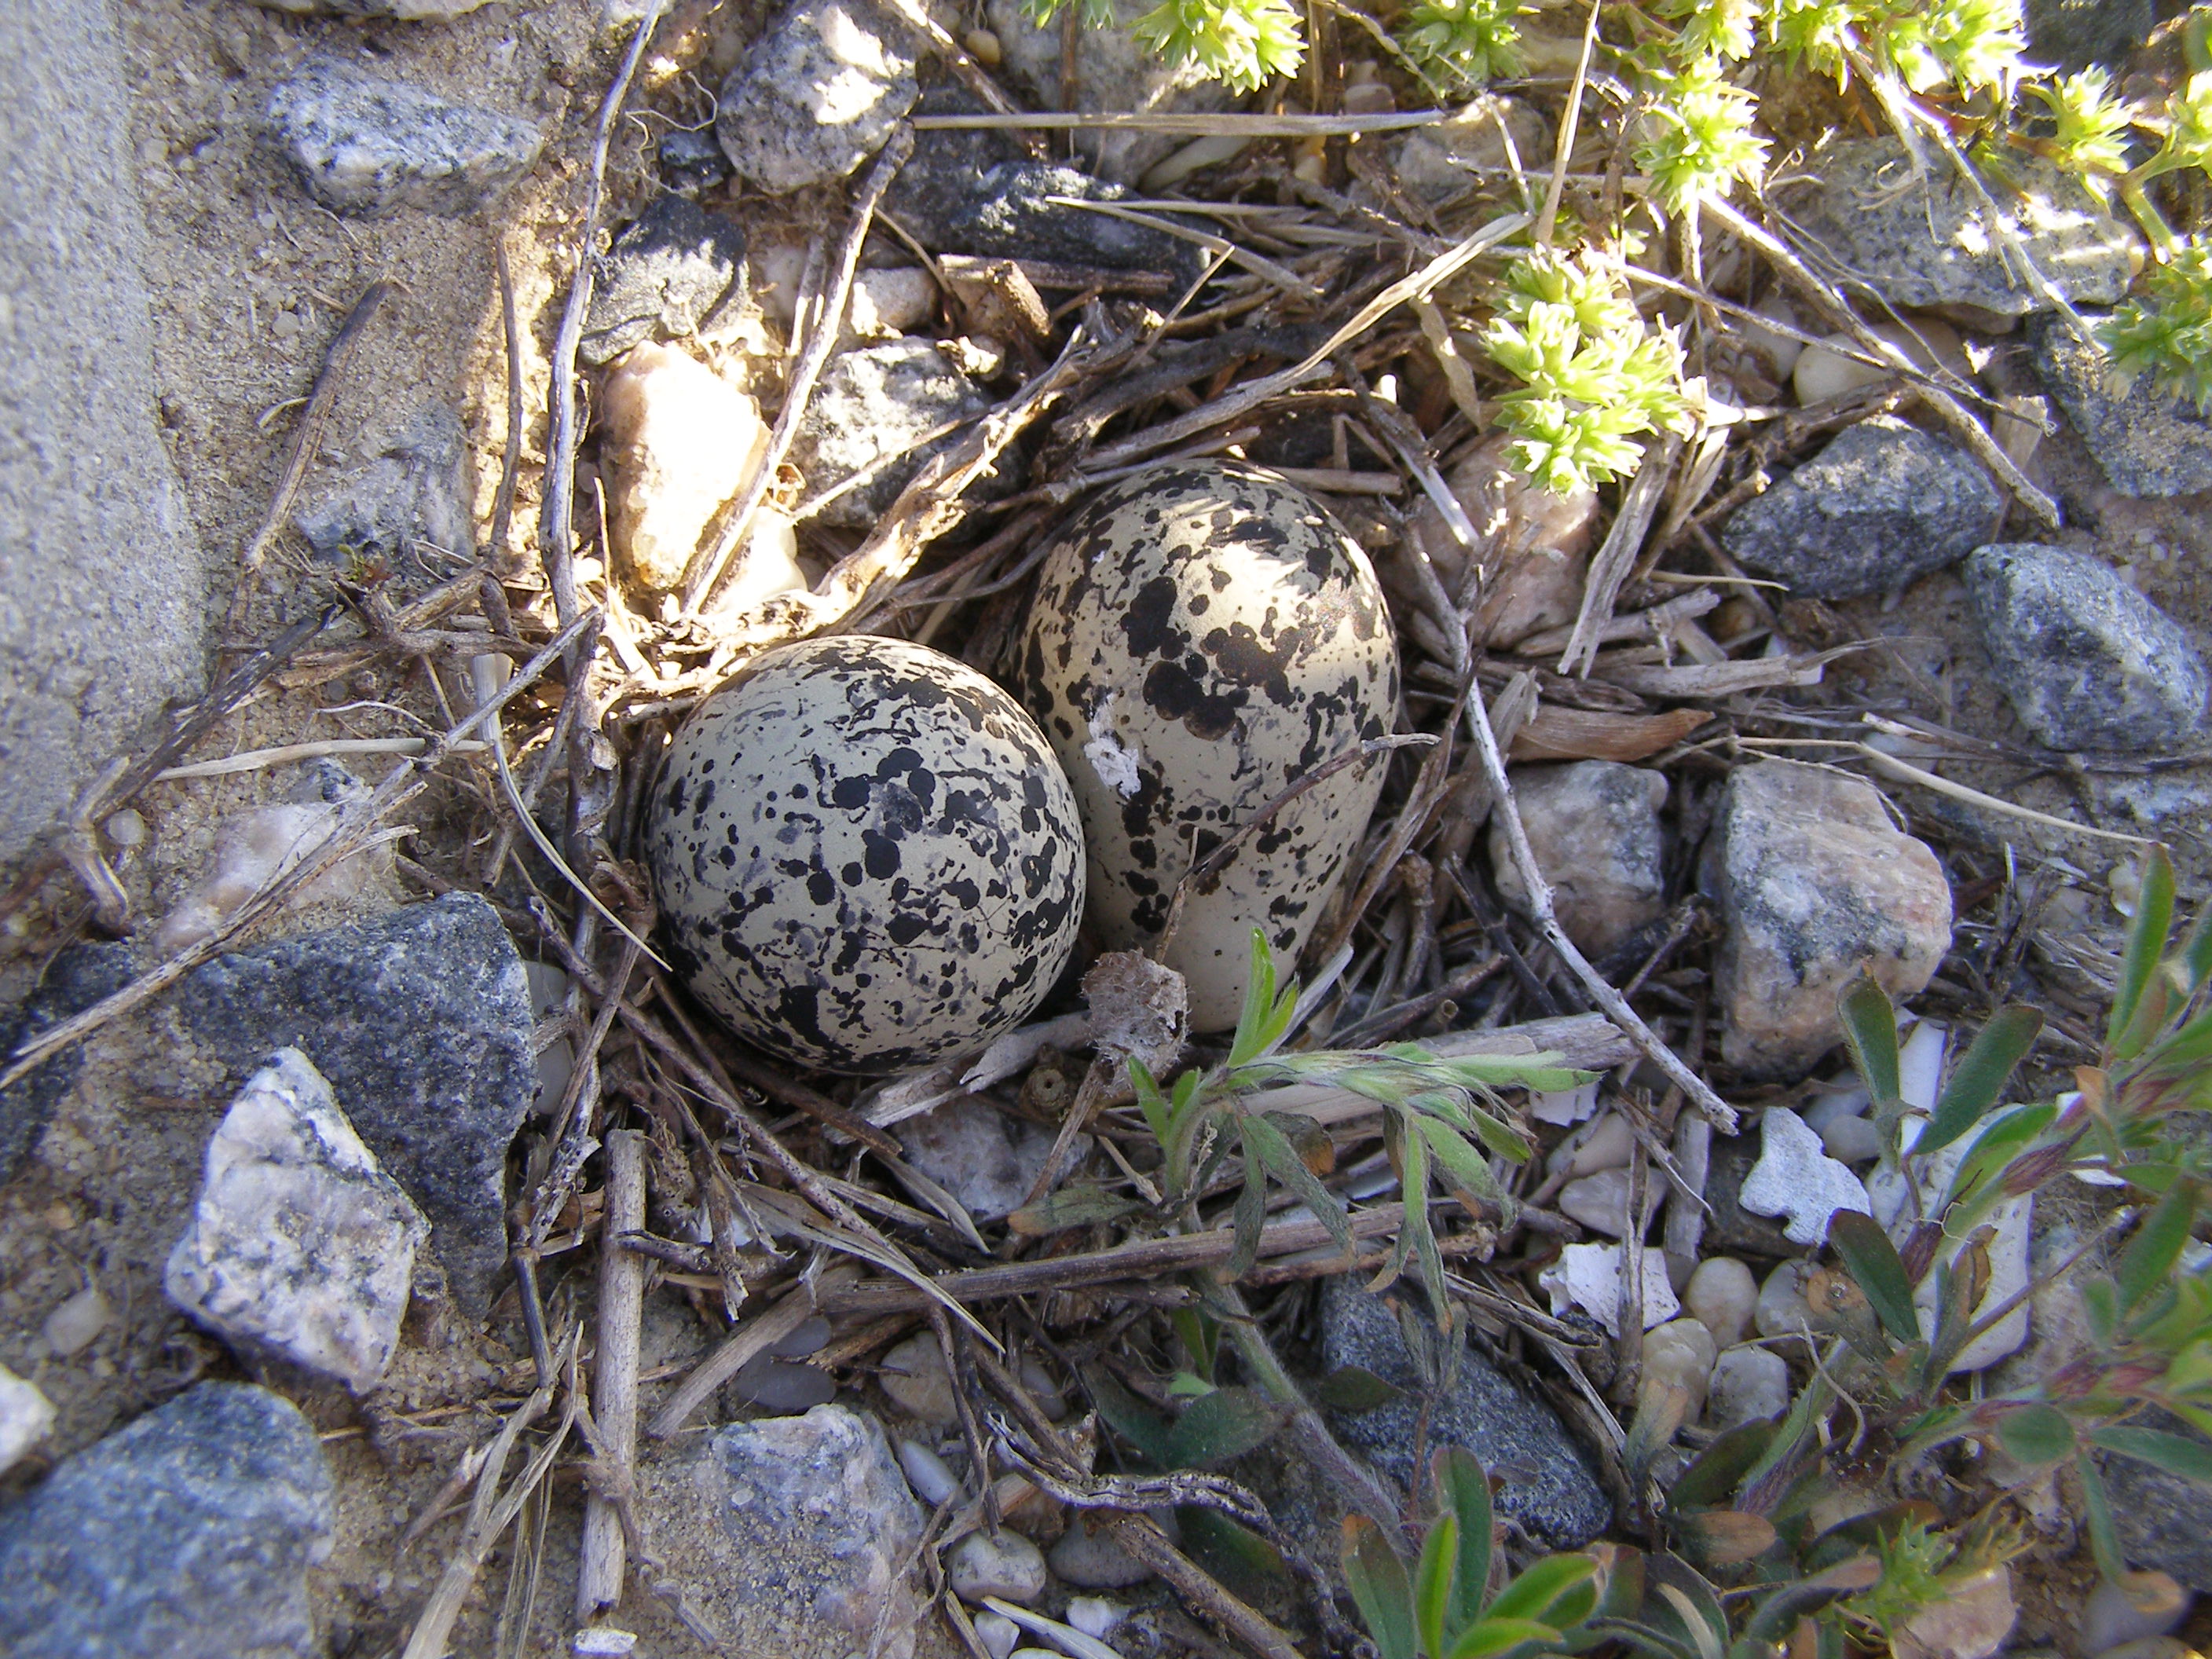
(1883, 505)
(939, 178)
(1795, 1178)
(366, 145)
(1731, 1226)
(109, 589)
(2149, 441)
(1008, 1566)
(2111, 1618)
(983, 1157)
(1593, 826)
(672, 268)
(870, 415)
(74, 981)
(1599, 1201)
(1749, 1385)
(406, 510)
(691, 160)
(27, 1416)
(1587, 1276)
(299, 1243)
(1814, 884)
(252, 847)
(1008, 211)
(1436, 163)
(816, 97)
(680, 443)
(1115, 71)
(2087, 661)
(1548, 1484)
(186, 1534)
(420, 1021)
(1535, 545)
(791, 1535)
(1971, 1623)
(1932, 243)
(2160, 1513)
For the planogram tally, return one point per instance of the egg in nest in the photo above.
(1203, 636)
(866, 856)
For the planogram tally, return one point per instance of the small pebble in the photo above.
(1035, 1653)
(1833, 1108)
(915, 1378)
(2111, 1617)
(1782, 1309)
(126, 829)
(1851, 1140)
(1599, 1201)
(984, 46)
(1093, 1560)
(605, 1640)
(1610, 1146)
(1682, 1352)
(1042, 1389)
(1008, 1566)
(72, 1327)
(1095, 1616)
(998, 1634)
(1822, 371)
(1723, 1294)
(1748, 1386)
(26, 1416)
(930, 1476)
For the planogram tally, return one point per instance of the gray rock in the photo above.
(2072, 34)
(2149, 441)
(75, 980)
(27, 1416)
(816, 95)
(1436, 163)
(1090, 1559)
(108, 590)
(299, 1243)
(185, 1536)
(870, 416)
(420, 1021)
(1549, 1486)
(1008, 1566)
(406, 508)
(365, 145)
(1730, 1227)
(939, 178)
(1008, 212)
(2159, 1514)
(1813, 883)
(2087, 662)
(983, 1157)
(1749, 1385)
(692, 160)
(1593, 826)
(1933, 243)
(791, 1535)
(1113, 72)
(1884, 504)
(665, 276)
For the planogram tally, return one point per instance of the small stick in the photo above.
(1550, 217)
(1192, 125)
(622, 1306)
(1617, 554)
(502, 509)
(705, 570)
(256, 760)
(1507, 811)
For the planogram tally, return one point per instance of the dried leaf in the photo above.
(1569, 734)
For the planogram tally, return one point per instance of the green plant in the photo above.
(1444, 1608)
(1462, 44)
(1440, 1116)
(1244, 44)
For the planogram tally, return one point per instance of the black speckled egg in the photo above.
(1203, 636)
(866, 856)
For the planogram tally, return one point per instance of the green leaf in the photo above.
(1711, 1481)
(1377, 1580)
(1240, 1558)
(1414, 1226)
(1356, 1389)
(1876, 1269)
(1245, 1222)
(1280, 1156)
(1149, 1099)
(2097, 1508)
(2002, 1139)
(1432, 1581)
(2177, 1454)
(1463, 1166)
(1870, 1031)
(2196, 959)
(2154, 919)
(1724, 1538)
(2036, 1436)
(1463, 1493)
(1251, 1039)
(1543, 1586)
(2100, 1309)
(1979, 1082)
(1493, 1636)
(1128, 1417)
(1220, 1426)
(2149, 1259)
(1072, 1206)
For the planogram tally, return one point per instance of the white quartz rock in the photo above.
(1599, 1201)
(1611, 1143)
(1567, 1106)
(1795, 1179)
(27, 1416)
(1587, 1276)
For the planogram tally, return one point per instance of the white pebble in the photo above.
(998, 1634)
(74, 1326)
(930, 1476)
(1008, 1566)
(1723, 1294)
(1094, 1615)
(1610, 1146)
(1828, 1109)
(1794, 1178)
(1035, 1653)
(1587, 1276)
(1824, 372)
(1749, 1385)
(125, 828)
(605, 1641)
(27, 1416)
(1851, 1140)
(2110, 1617)
(1682, 1352)
(1599, 1201)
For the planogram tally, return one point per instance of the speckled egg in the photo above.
(1204, 636)
(865, 855)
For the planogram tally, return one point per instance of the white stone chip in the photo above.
(1587, 1276)
(27, 1416)
(1795, 1178)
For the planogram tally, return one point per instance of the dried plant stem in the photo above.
(1192, 125)
(704, 572)
(621, 1307)
(1507, 811)
(1617, 554)
(756, 1336)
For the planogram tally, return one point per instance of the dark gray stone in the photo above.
(185, 1536)
(692, 160)
(871, 414)
(404, 511)
(1008, 213)
(1932, 243)
(665, 276)
(2159, 1513)
(816, 95)
(2072, 34)
(938, 179)
(420, 1021)
(2087, 662)
(76, 979)
(1731, 1230)
(1884, 504)
(106, 589)
(365, 145)
(1549, 1486)
(2149, 441)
